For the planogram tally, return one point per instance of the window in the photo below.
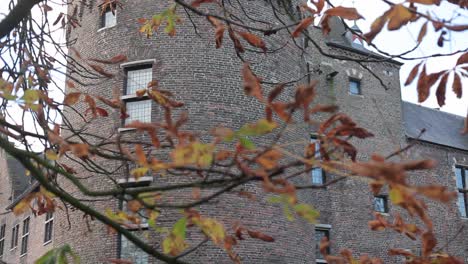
(49, 224)
(461, 174)
(317, 174)
(128, 250)
(24, 237)
(108, 18)
(2, 239)
(320, 233)
(137, 79)
(354, 86)
(381, 204)
(14, 236)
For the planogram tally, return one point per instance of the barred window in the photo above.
(2, 239)
(108, 18)
(138, 110)
(461, 174)
(129, 251)
(381, 203)
(137, 79)
(14, 236)
(49, 225)
(320, 233)
(25, 236)
(317, 174)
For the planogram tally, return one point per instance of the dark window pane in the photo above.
(380, 204)
(138, 79)
(354, 87)
(138, 110)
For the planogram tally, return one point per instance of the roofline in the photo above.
(433, 143)
(28, 190)
(373, 55)
(433, 109)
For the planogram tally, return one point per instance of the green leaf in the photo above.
(180, 227)
(58, 256)
(262, 127)
(307, 212)
(246, 143)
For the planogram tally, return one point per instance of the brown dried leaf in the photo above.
(344, 12)
(252, 86)
(305, 23)
(457, 85)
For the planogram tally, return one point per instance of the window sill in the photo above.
(125, 129)
(464, 218)
(12, 249)
(382, 214)
(47, 242)
(104, 28)
(320, 261)
(132, 182)
(357, 95)
(23, 255)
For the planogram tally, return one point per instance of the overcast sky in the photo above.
(404, 39)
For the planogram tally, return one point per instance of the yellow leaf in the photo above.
(212, 229)
(139, 172)
(51, 154)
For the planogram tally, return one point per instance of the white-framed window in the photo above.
(48, 227)
(381, 204)
(461, 174)
(2, 239)
(25, 236)
(137, 78)
(321, 231)
(128, 250)
(14, 236)
(317, 174)
(354, 86)
(108, 18)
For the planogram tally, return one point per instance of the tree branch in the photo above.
(18, 13)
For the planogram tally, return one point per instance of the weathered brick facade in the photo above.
(208, 80)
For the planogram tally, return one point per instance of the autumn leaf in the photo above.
(101, 71)
(197, 3)
(71, 98)
(174, 244)
(307, 212)
(399, 16)
(441, 88)
(137, 173)
(413, 74)
(114, 60)
(80, 150)
(305, 23)
(212, 229)
(252, 86)
(253, 40)
(219, 30)
(376, 27)
(261, 236)
(344, 12)
(422, 32)
(51, 154)
(457, 85)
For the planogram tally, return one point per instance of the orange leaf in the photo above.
(80, 150)
(261, 236)
(457, 85)
(440, 92)
(413, 74)
(253, 40)
(376, 27)
(219, 30)
(344, 12)
(197, 3)
(101, 71)
(422, 33)
(399, 16)
(252, 85)
(71, 98)
(305, 23)
(140, 156)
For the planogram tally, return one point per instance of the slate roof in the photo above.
(441, 128)
(340, 37)
(19, 181)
